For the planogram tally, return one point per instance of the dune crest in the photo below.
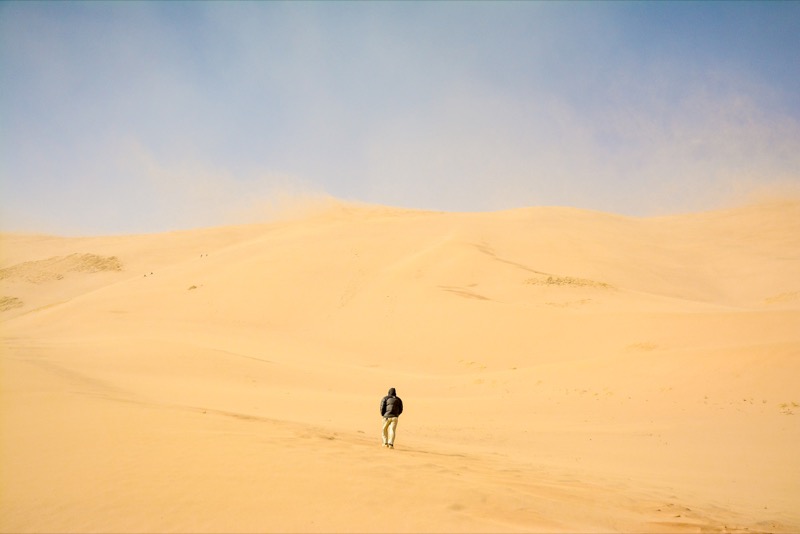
(563, 370)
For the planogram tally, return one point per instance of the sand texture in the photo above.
(562, 371)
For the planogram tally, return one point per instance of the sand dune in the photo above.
(562, 370)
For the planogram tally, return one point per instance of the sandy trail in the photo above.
(562, 371)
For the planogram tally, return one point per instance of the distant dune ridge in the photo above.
(562, 370)
(57, 267)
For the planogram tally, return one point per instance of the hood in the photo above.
(392, 392)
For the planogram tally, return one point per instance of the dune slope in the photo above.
(562, 370)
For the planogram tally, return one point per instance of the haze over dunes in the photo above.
(562, 370)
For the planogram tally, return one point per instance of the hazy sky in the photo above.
(139, 117)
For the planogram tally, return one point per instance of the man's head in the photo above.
(392, 392)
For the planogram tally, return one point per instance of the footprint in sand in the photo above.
(567, 281)
(783, 298)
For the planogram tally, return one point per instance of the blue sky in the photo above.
(142, 117)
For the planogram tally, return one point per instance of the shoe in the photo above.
(385, 445)
(391, 446)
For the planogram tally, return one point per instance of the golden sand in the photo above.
(561, 370)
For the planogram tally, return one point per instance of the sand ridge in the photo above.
(57, 267)
(563, 370)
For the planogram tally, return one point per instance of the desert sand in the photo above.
(562, 370)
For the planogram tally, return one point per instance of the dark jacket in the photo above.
(391, 405)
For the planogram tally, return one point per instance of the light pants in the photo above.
(389, 426)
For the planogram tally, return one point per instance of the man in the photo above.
(391, 408)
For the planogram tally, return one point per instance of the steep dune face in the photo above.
(548, 356)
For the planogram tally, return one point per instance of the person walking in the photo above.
(391, 408)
